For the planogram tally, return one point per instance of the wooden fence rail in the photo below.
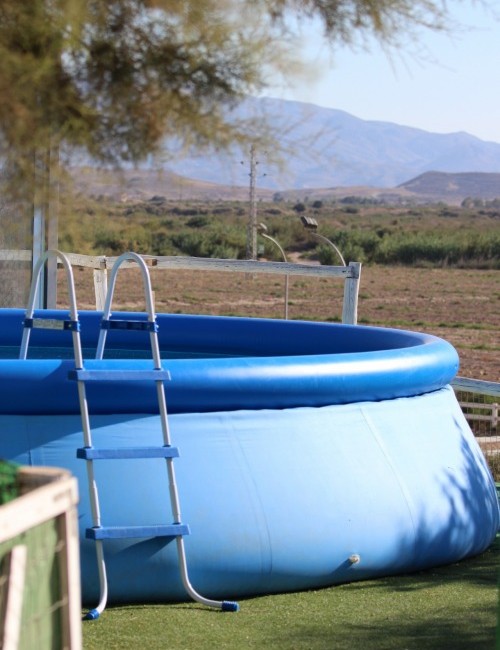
(480, 407)
(488, 412)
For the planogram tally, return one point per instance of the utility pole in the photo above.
(252, 222)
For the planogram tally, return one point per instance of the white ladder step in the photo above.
(140, 532)
(52, 324)
(91, 453)
(120, 374)
(129, 324)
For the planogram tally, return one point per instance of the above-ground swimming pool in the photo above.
(302, 446)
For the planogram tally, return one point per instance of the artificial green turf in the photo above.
(452, 607)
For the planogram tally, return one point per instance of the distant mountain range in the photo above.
(329, 153)
(453, 188)
(151, 186)
(329, 148)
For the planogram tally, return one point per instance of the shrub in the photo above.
(198, 222)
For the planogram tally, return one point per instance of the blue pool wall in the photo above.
(280, 494)
(256, 363)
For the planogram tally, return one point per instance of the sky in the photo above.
(443, 83)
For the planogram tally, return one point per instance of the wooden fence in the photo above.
(479, 401)
(40, 600)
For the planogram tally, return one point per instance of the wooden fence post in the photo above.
(351, 292)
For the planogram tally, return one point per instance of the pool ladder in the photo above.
(88, 452)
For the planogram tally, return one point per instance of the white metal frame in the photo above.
(101, 264)
(351, 274)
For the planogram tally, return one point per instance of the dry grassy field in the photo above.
(462, 306)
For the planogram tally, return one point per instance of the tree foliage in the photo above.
(115, 77)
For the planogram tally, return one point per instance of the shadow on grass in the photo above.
(452, 607)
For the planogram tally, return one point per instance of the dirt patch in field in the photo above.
(461, 306)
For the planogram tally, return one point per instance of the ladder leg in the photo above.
(101, 564)
(93, 614)
(224, 605)
(77, 349)
(94, 501)
(228, 606)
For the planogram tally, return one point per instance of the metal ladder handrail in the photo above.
(30, 322)
(173, 492)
